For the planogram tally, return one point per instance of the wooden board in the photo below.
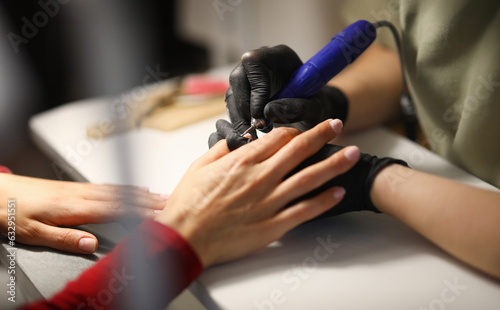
(184, 113)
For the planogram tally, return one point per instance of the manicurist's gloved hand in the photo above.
(357, 181)
(261, 73)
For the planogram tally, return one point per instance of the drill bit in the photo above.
(256, 124)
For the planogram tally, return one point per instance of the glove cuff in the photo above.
(377, 164)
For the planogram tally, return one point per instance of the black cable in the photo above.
(405, 101)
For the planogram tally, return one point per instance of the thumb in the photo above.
(66, 239)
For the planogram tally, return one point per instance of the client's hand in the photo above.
(229, 204)
(43, 205)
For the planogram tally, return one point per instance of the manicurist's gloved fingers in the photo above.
(214, 138)
(238, 99)
(260, 74)
(329, 102)
(233, 138)
(259, 78)
(237, 105)
(226, 131)
(287, 110)
(267, 70)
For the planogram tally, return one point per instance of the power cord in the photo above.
(405, 101)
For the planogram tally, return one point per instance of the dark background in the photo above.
(52, 57)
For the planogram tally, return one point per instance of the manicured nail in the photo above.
(351, 153)
(164, 196)
(338, 192)
(336, 125)
(87, 245)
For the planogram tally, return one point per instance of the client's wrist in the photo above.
(189, 231)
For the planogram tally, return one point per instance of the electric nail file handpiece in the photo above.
(309, 78)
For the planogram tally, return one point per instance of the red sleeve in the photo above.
(145, 271)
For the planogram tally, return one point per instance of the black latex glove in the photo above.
(226, 131)
(261, 73)
(357, 181)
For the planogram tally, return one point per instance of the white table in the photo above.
(372, 261)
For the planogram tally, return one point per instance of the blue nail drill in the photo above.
(309, 78)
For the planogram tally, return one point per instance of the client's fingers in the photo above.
(217, 151)
(265, 147)
(305, 210)
(140, 197)
(63, 239)
(315, 175)
(303, 146)
(96, 212)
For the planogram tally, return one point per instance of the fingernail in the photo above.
(164, 196)
(336, 125)
(351, 153)
(143, 188)
(87, 245)
(338, 192)
(157, 211)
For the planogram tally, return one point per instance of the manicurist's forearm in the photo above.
(372, 85)
(461, 219)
